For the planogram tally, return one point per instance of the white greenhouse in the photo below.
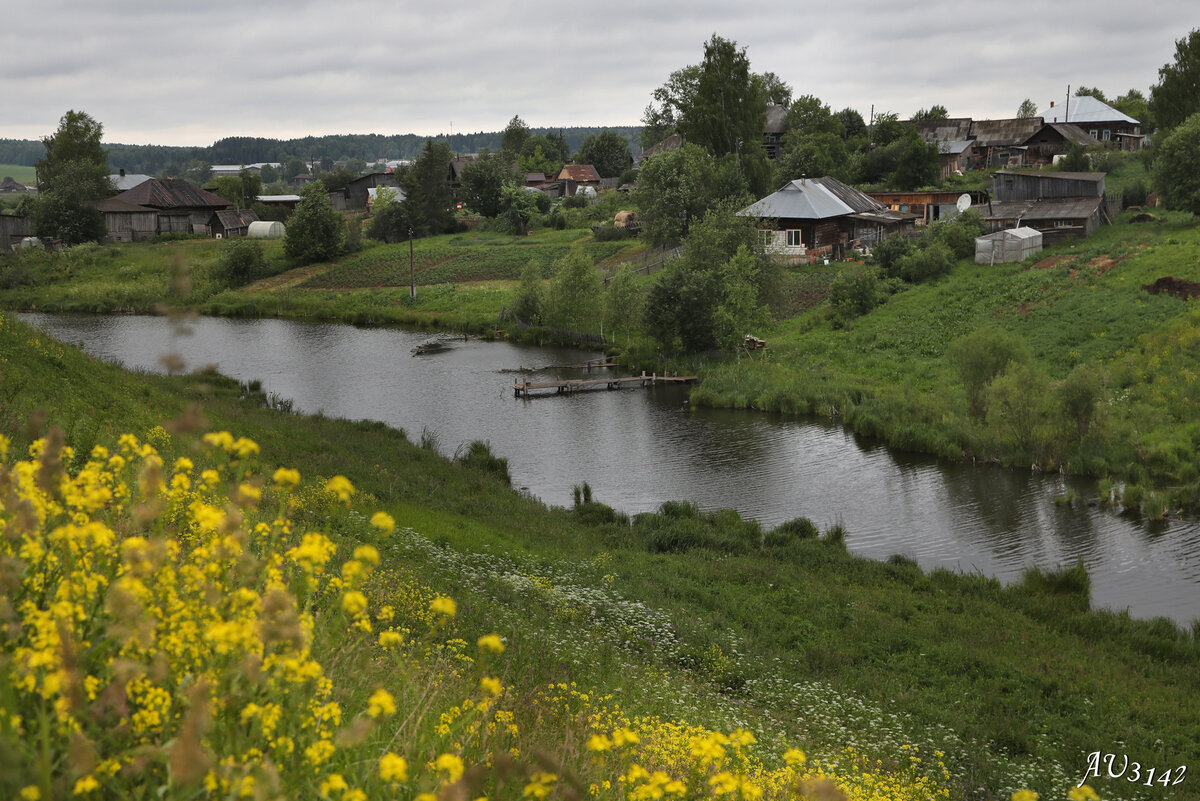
(1013, 244)
(266, 229)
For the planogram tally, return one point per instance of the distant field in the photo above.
(20, 173)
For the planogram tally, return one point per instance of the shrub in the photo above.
(478, 455)
(979, 357)
(607, 232)
(242, 260)
(853, 293)
(801, 528)
(888, 253)
(1072, 583)
(928, 262)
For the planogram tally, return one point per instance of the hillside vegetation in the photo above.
(693, 644)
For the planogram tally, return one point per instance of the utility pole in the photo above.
(412, 275)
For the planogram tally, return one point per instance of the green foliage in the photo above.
(607, 152)
(514, 136)
(315, 231)
(959, 233)
(1079, 397)
(572, 298)
(899, 158)
(622, 302)
(888, 253)
(1019, 407)
(428, 199)
(982, 355)
(1176, 97)
(483, 181)
(517, 207)
(72, 176)
(934, 112)
(391, 220)
(853, 293)
(1177, 167)
(242, 260)
(477, 455)
(931, 261)
(1076, 159)
(739, 311)
(1027, 110)
(528, 303)
(675, 189)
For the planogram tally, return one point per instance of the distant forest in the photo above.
(159, 159)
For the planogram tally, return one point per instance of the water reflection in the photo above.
(639, 447)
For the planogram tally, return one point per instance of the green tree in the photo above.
(1176, 96)
(853, 124)
(778, 92)
(661, 117)
(607, 152)
(739, 310)
(75, 147)
(675, 189)
(572, 298)
(979, 357)
(1027, 110)
(538, 160)
(517, 207)
(888, 253)
(622, 302)
(390, 219)
(482, 182)
(1135, 104)
(1076, 159)
(428, 199)
(853, 293)
(1176, 171)
(1091, 91)
(514, 136)
(315, 231)
(1019, 407)
(935, 112)
(528, 303)
(72, 176)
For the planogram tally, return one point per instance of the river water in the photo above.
(639, 447)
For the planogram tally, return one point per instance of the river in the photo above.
(639, 447)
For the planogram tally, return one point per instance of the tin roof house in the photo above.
(822, 217)
(1101, 121)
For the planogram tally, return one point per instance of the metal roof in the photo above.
(999, 133)
(1085, 109)
(1051, 209)
(578, 172)
(1013, 233)
(952, 129)
(127, 181)
(954, 148)
(172, 193)
(813, 199)
(1094, 177)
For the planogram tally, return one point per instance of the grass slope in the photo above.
(705, 619)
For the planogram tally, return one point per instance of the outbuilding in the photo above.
(266, 229)
(1010, 245)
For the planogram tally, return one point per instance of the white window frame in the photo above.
(795, 238)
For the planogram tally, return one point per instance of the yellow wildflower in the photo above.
(354, 603)
(384, 522)
(381, 704)
(29, 792)
(794, 757)
(333, 782)
(451, 765)
(623, 737)
(1024, 795)
(390, 639)
(491, 643)
(367, 553)
(354, 795)
(491, 685)
(285, 476)
(1084, 792)
(443, 606)
(245, 448)
(341, 487)
(598, 743)
(85, 785)
(393, 768)
(219, 439)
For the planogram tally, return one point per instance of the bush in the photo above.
(478, 456)
(242, 260)
(888, 253)
(575, 202)
(928, 262)
(979, 357)
(853, 293)
(607, 232)
(801, 528)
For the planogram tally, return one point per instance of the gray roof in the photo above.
(1085, 109)
(1051, 209)
(127, 181)
(999, 133)
(1094, 177)
(776, 119)
(1013, 233)
(812, 199)
(953, 129)
(954, 148)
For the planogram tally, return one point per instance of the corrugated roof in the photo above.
(578, 172)
(954, 148)
(953, 129)
(998, 133)
(114, 204)
(1085, 109)
(128, 181)
(172, 193)
(1094, 177)
(813, 199)
(1052, 209)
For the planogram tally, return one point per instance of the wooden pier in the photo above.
(525, 389)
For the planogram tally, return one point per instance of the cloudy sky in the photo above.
(173, 73)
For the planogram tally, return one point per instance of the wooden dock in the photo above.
(525, 389)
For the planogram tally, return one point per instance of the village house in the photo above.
(1059, 204)
(357, 190)
(928, 206)
(1101, 121)
(230, 222)
(128, 222)
(180, 206)
(1054, 139)
(574, 176)
(822, 218)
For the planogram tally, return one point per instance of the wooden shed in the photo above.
(128, 222)
(1010, 245)
(1025, 185)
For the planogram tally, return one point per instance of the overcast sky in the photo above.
(173, 73)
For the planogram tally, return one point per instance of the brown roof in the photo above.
(114, 205)
(955, 129)
(579, 172)
(172, 193)
(998, 133)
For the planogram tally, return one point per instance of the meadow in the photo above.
(186, 614)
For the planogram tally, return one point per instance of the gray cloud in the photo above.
(173, 73)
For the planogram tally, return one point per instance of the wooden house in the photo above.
(232, 222)
(1001, 143)
(774, 129)
(356, 190)
(1054, 139)
(1056, 218)
(1101, 121)
(955, 157)
(1023, 185)
(574, 176)
(181, 206)
(814, 218)
(927, 206)
(12, 230)
(128, 222)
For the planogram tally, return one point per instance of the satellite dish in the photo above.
(964, 202)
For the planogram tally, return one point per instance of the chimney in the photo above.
(122, 172)
(1051, 104)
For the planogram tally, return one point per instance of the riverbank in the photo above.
(1018, 683)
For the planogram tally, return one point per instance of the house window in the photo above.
(794, 240)
(1093, 133)
(766, 238)
(1107, 135)
(1063, 224)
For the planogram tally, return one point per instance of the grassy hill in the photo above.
(664, 638)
